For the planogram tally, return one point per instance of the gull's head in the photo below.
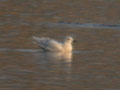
(69, 39)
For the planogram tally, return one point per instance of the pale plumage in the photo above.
(48, 44)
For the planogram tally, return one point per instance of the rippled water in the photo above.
(94, 63)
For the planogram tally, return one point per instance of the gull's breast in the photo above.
(68, 48)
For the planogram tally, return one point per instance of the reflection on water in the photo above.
(56, 60)
(67, 57)
(56, 67)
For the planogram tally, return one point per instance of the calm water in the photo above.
(93, 65)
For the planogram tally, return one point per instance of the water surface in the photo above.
(94, 63)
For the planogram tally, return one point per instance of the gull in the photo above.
(48, 44)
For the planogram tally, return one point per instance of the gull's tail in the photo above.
(36, 40)
(41, 42)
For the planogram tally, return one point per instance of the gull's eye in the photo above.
(68, 39)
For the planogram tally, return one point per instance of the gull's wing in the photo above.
(48, 44)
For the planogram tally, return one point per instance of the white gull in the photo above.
(48, 44)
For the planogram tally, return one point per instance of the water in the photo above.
(94, 63)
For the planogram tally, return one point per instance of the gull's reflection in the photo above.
(61, 60)
(66, 57)
(59, 63)
(58, 59)
(56, 64)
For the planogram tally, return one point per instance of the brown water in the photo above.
(93, 65)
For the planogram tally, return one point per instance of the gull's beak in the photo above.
(74, 41)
